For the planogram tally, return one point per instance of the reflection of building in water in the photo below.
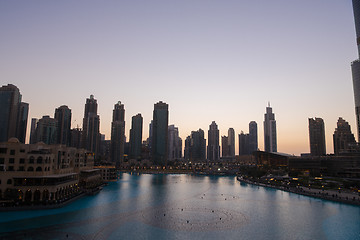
(44, 173)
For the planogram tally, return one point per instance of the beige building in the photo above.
(34, 173)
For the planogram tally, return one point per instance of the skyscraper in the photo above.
(136, 136)
(159, 138)
(174, 143)
(34, 122)
(22, 121)
(213, 149)
(270, 130)
(224, 146)
(317, 137)
(355, 66)
(91, 126)
(46, 130)
(253, 137)
(231, 142)
(118, 133)
(198, 145)
(187, 148)
(243, 144)
(63, 118)
(13, 114)
(343, 138)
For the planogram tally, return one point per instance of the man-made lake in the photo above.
(184, 206)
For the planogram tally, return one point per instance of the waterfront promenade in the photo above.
(326, 194)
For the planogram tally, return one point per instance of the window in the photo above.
(22, 150)
(21, 169)
(39, 160)
(12, 152)
(31, 159)
(38, 169)
(30, 169)
(3, 150)
(9, 181)
(2, 160)
(11, 160)
(22, 160)
(11, 168)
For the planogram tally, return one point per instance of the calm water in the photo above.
(186, 207)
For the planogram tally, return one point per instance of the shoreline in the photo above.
(329, 195)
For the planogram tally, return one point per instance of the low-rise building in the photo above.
(34, 173)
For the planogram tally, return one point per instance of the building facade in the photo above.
(213, 149)
(231, 142)
(136, 136)
(46, 131)
(159, 130)
(270, 139)
(90, 139)
(317, 137)
(253, 137)
(343, 137)
(40, 173)
(243, 144)
(225, 146)
(63, 118)
(13, 114)
(174, 143)
(118, 133)
(355, 66)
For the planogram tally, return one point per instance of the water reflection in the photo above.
(146, 206)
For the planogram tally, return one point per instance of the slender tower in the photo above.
(270, 130)
(355, 66)
(118, 133)
(159, 139)
(213, 149)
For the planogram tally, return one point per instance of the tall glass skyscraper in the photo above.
(160, 133)
(213, 149)
(13, 114)
(63, 118)
(355, 66)
(118, 133)
(136, 136)
(270, 131)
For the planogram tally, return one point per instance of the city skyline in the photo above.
(242, 52)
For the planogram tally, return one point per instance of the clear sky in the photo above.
(210, 60)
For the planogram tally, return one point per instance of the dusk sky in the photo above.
(209, 60)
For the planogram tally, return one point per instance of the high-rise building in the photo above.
(22, 121)
(243, 144)
(13, 114)
(34, 122)
(187, 148)
(343, 138)
(63, 118)
(136, 136)
(118, 133)
(174, 143)
(231, 142)
(46, 130)
(355, 66)
(317, 137)
(75, 139)
(224, 146)
(198, 145)
(253, 137)
(213, 149)
(270, 141)
(159, 139)
(91, 126)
